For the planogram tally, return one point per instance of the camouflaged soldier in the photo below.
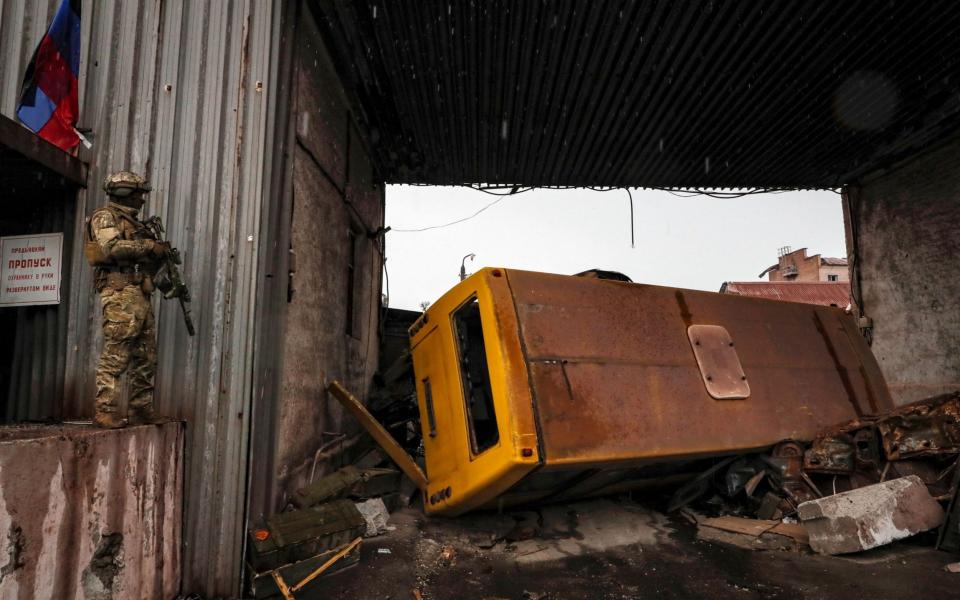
(124, 254)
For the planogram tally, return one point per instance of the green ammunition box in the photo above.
(294, 536)
(333, 486)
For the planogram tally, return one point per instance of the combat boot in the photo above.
(108, 420)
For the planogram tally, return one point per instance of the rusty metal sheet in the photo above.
(719, 364)
(923, 428)
(615, 379)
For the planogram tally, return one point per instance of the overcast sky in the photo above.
(697, 242)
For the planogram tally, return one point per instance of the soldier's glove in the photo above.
(160, 249)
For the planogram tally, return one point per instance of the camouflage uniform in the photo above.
(127, 258)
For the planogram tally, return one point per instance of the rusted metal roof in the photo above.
(825, 293)
(646, 93)
(833, 262)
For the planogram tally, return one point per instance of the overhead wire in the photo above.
(679, 192)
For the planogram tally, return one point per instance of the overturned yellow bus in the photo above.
(536, 387)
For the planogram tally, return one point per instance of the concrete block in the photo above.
(91, 513)
(375, 513)
(870, 516)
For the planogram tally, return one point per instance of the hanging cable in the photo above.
(453, 222)
(679, 192)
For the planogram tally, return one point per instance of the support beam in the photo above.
(379, 434)
(22, 140)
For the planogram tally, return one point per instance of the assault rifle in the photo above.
(167, 278)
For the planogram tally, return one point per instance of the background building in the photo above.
(825, 293)
(795, 265)
(799, 278)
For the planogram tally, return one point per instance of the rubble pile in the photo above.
(856, 486)
(323, 529)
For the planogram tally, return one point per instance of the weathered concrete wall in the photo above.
(903, 243)
(90, 514)
(336, 203)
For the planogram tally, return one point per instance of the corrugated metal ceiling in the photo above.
(645, 93)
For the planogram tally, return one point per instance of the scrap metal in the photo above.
(924, 428)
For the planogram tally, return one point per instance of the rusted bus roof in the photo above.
(824, 293)
(646, 93)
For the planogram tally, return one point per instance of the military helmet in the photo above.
(124, 183)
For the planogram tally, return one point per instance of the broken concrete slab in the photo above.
(870, 516)
(375, 513)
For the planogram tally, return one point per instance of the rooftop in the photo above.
(825, 293)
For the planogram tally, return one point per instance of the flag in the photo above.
(48, 98)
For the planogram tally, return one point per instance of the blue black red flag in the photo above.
(48, 99)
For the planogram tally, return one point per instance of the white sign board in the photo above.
(30, 273)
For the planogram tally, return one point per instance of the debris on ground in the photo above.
(290, 578)
(870, 516)
(952, 568)
(862, 484)
(754, 534)
(375, 514)
(528, 525)
(448, 556)
(949, 535)
(838, 493)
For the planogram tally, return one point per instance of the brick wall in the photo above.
(808, 267)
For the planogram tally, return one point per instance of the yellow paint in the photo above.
(473, 480)
(634, 393)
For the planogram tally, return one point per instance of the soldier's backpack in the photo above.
(91, 248)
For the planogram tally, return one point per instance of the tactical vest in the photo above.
(129, 228)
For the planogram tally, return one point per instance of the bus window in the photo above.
(481, 420)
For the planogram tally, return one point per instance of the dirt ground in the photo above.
(613, 549)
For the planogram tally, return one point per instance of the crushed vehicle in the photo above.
(768, 424)
(537, 387)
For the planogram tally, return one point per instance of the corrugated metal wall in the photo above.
(35, 389)
(178, 90)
